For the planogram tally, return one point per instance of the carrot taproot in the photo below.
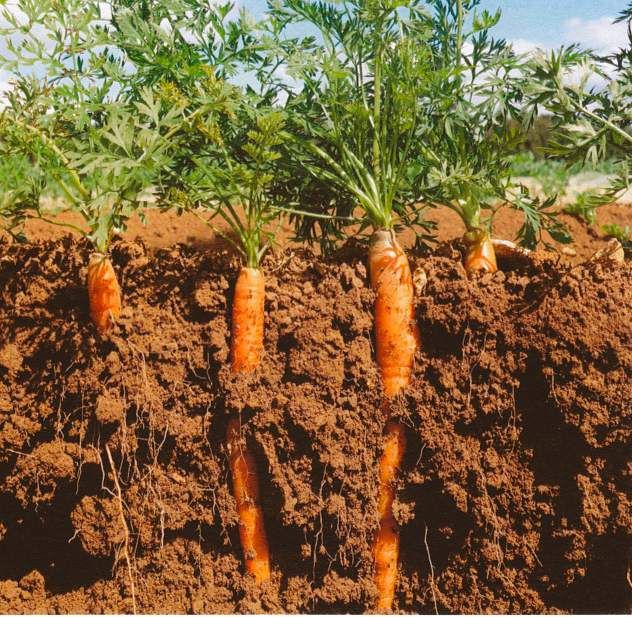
(397, 339)
(252, 533)
(386, 546)
(246, 351)
(104, 293)
(480, 254)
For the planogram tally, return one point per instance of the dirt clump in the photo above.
(513, 496)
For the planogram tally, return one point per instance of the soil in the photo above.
(514, 495)
(164, 229)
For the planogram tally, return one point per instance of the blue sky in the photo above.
(546, 23)
(528, 24)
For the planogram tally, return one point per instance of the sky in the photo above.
(528, 24)
(545, 23)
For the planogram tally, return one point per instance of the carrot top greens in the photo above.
(358, 119)
(379, 111)
(68, 116)
(230, 165)
(590, 99)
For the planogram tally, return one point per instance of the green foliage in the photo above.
(177, 41)
(69, 118)
(590, 97)
(101, 170)
(585, 206)
(471, 146)
(622, 234)
(19, 188)
(552, 174)
(388, 107)
(63, 47)
(357, 117)
(230, 164)
(403, 104)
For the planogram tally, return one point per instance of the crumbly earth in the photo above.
(164, 229)
(514, 495)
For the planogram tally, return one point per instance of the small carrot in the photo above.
(397, 339)
(246, 351)
(247, 325)
(480, 253)
(386, 547)
(104, 293)
(246, 492)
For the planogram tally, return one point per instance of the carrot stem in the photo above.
(104, 293)
(246, 352)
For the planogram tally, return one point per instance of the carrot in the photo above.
(246, 492)
(396, 333)
(247, 326)
(104, 293)
(397, 339)
(480, 255)
(246, 351)
(386, 546)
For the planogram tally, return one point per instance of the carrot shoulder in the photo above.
(397, 339)
(246, 351)
(481, 254)
(104, 293)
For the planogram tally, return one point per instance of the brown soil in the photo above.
(514, 495)
(164, 229)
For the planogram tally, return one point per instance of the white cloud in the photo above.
(599, 34)
(525, 46)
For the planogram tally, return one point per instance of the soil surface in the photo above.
(164, 229)
(514, 495)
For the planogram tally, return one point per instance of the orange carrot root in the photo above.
(248, 316)
(396, 333)
(104, 293)
(480, 255)
(246, 492)
(386, 547)
(246, 352)
(397, 339)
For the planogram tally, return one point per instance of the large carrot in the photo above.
(397, 338)
(104, 293)
(246, 350)
(396, 333)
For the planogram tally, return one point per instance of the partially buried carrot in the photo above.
(396, 334)
(386, 547)
(480, 254)
(104, 293)
(397, 339)
(247, 323)
(246, 350)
